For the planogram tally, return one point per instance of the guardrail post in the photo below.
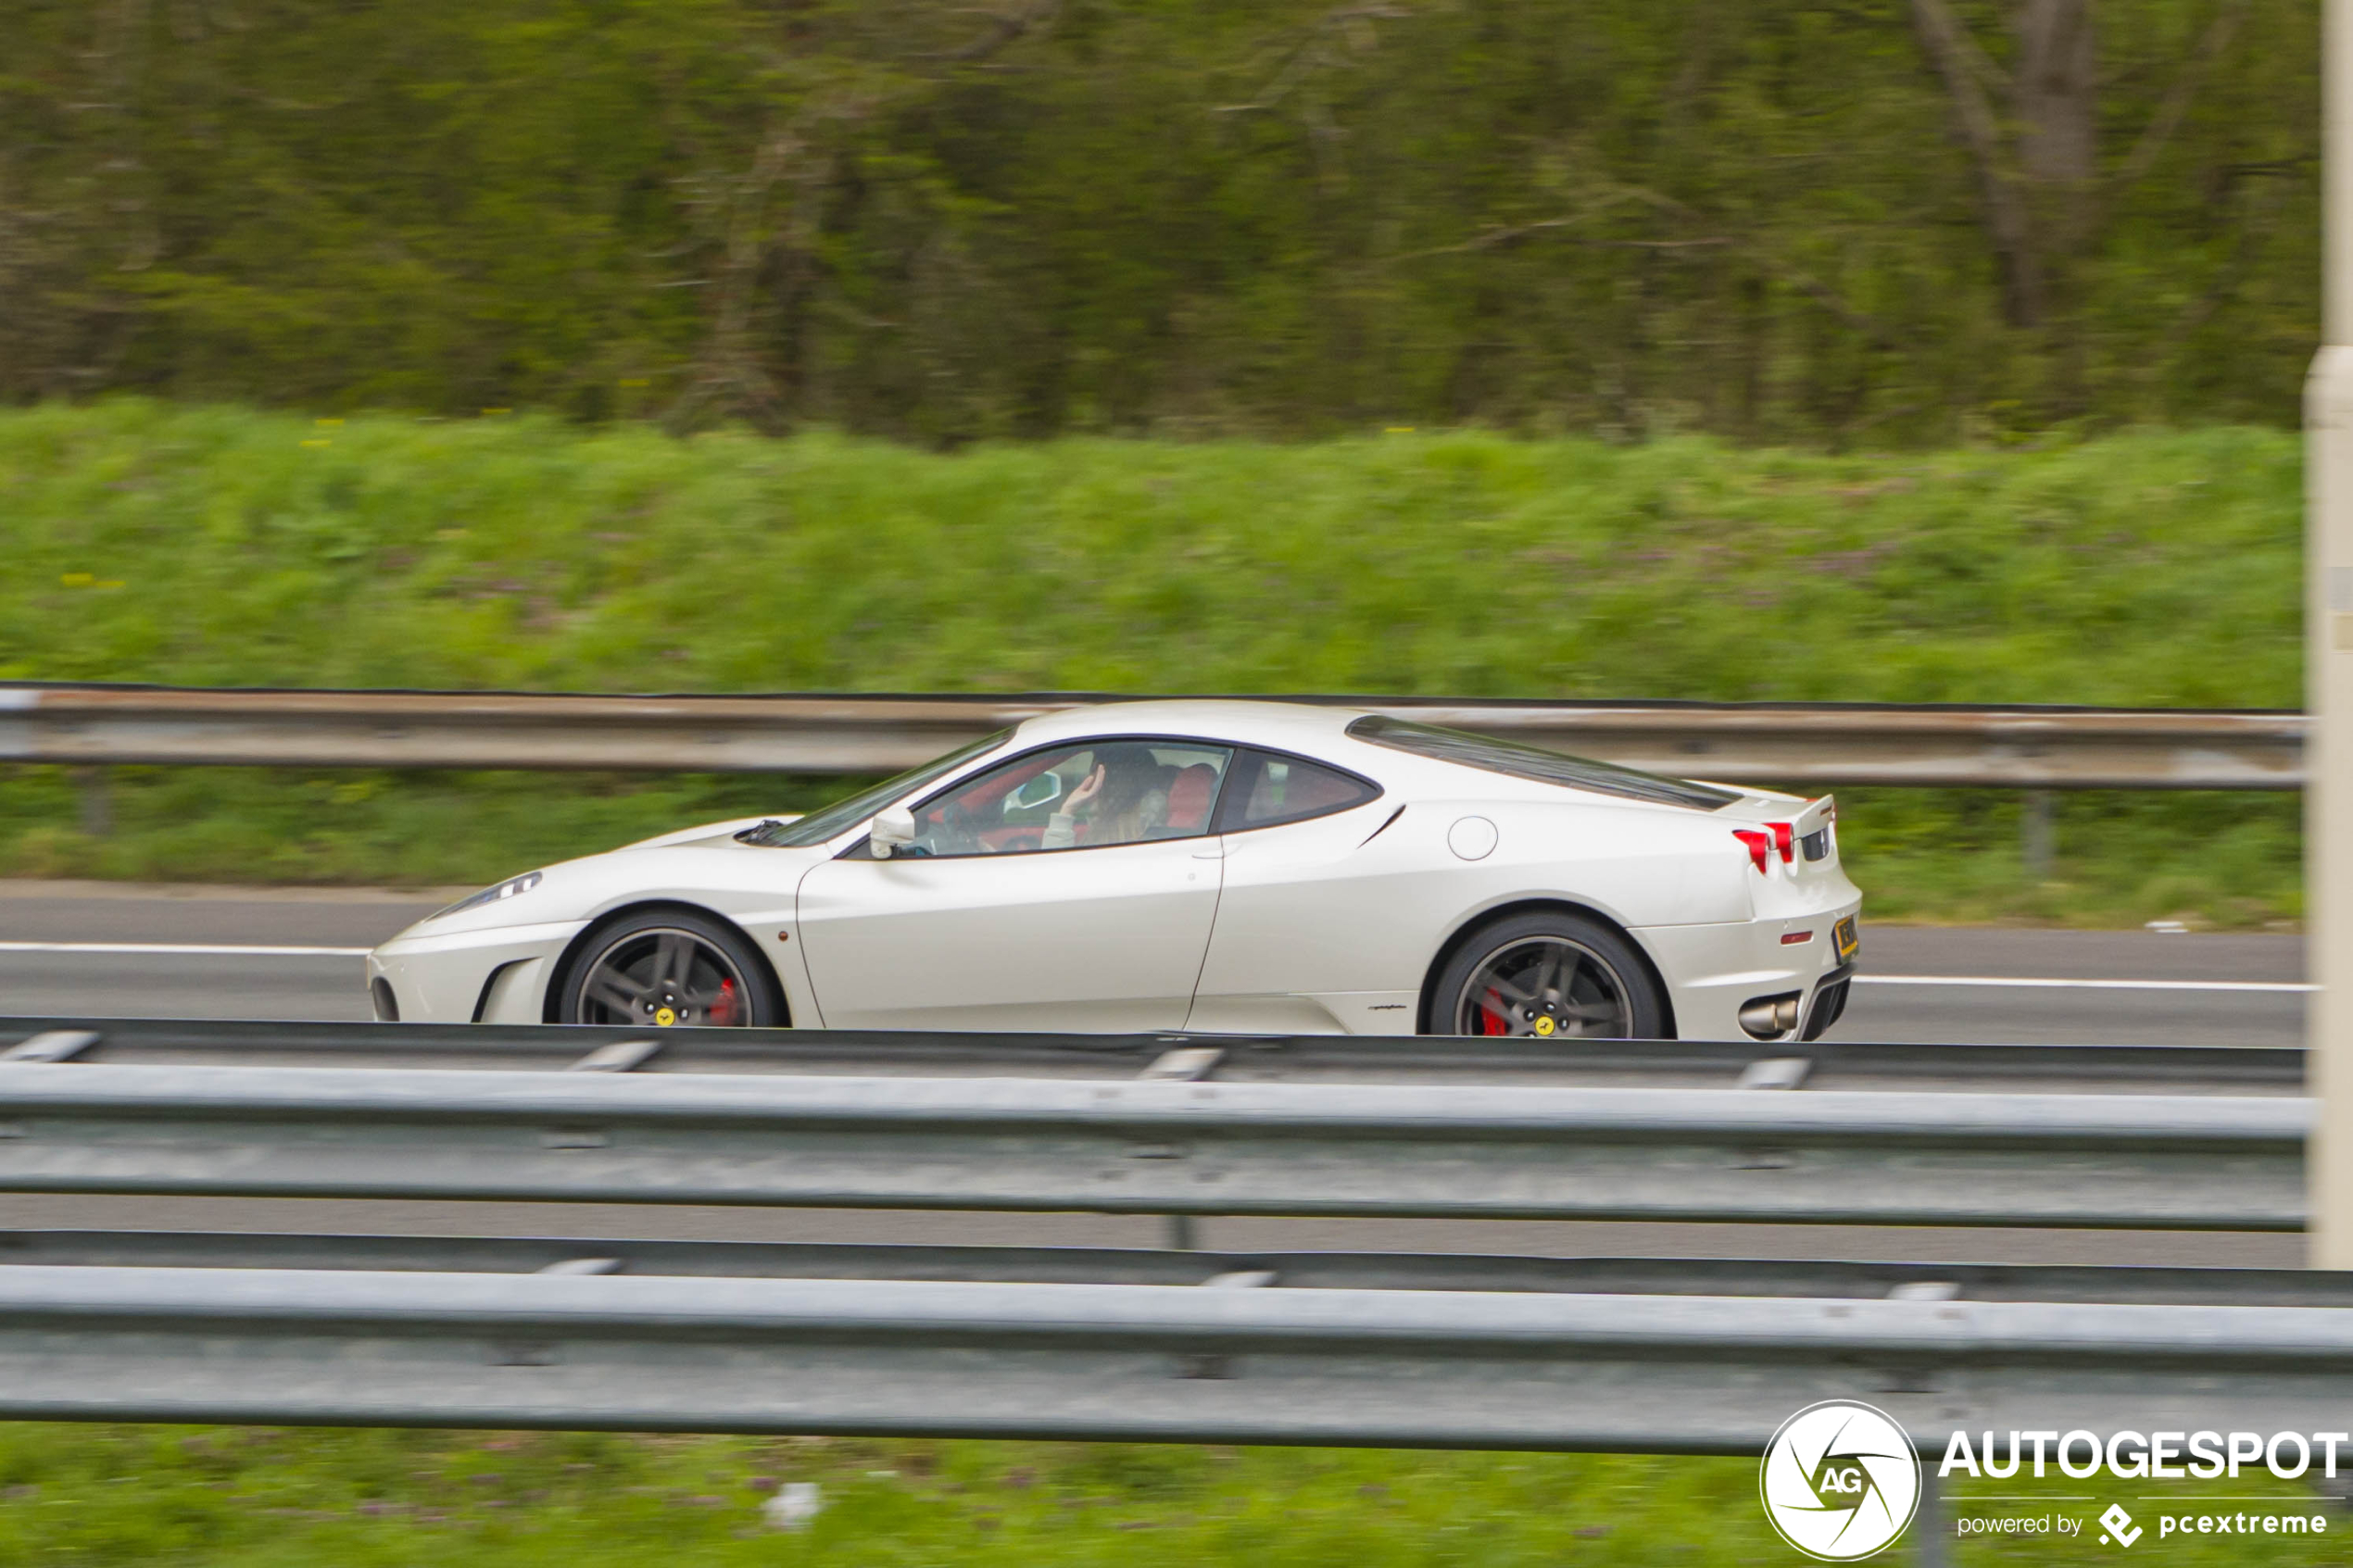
(93, 785)
(2038, 833)
(2328, 633)
(1930, 1520)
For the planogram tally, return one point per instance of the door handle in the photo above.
(1216, 853)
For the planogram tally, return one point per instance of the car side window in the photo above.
(1270, 788)
(1088, 795)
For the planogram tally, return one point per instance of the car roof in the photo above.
(1283, 725)
(1317, 729)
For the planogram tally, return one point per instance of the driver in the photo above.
(1121, 801)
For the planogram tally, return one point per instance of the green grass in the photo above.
(219, 546)
(212, 545)
(92, 1497)
(2227, 860)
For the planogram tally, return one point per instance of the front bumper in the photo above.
(495, 976)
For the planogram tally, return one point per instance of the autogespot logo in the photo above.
(1840, 1480)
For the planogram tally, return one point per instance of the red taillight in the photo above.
(1760, 844)
(1784, 840)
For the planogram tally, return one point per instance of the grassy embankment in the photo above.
(221, 545)
(261, 1497)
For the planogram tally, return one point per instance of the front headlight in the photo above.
(514, 886)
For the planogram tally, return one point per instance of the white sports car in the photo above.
(1258, 867)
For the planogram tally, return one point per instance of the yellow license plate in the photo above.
(1845, 935)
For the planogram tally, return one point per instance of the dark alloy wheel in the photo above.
(670, 969)
(1549, 976)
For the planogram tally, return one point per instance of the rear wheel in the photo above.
(1549, 975)
(670, 968)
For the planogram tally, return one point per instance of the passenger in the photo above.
(1111, 807)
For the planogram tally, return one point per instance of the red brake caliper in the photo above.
(723, 1012)
(1491, 1020)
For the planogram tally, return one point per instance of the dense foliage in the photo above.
(1874, 220)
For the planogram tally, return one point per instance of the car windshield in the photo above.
(843, 815)
(1535, 762)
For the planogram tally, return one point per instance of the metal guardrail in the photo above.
(1302, 1059)
(2097, 1284)
(2032, 747)
(2135, 1161)
(1651, 1355)
(1648, 1373)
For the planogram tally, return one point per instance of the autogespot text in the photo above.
(2160, 1456)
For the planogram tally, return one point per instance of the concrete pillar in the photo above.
(2328, 664)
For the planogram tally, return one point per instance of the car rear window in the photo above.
(1272, 789)
(1534, 762)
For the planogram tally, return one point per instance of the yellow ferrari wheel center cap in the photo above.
(1544, 1024)
(668, 1016)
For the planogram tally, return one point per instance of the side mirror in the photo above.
(1043, 790)
(891, 827)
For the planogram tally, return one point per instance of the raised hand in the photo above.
(1085, 794)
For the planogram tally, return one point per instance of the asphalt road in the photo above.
(101, 950)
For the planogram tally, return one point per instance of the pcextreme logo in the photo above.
(1840, 1481)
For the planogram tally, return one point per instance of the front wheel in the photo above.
(670, 968)
(1548, 975)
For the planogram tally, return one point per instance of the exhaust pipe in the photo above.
(1769, 1018)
